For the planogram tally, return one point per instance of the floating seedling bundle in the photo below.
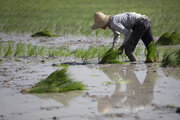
(58, 81)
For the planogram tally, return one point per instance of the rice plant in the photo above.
(171, 59)
(33, 51)
(89, 54)
(9, 50)
(41, 50)
(20, 49)
(58, 81)
(58, 16)
(1, 49)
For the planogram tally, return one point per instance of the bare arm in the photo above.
(116, 37)
(120, 28)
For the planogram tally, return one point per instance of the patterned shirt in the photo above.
(123, 23)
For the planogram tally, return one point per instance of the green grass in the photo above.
(58, 81)
(76, 16)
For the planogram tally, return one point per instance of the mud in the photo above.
(134, 91)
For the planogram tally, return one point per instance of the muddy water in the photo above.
(128, 92)
(114, 92)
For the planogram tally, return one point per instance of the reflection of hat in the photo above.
(100, 20)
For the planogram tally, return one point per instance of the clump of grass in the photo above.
(110, 56)
(58, 81)
(169, 38)
(43, 34)
(171, 59)
(152, 53)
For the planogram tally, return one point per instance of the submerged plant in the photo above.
(171, 59)
(58, 81)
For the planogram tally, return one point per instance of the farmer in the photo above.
(133, 26)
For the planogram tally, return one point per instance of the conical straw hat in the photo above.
(100, 20)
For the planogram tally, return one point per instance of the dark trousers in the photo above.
(141, 30)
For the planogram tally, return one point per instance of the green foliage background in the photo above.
(76, 16)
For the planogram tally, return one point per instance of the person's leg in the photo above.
(138, 31)
(147, 38)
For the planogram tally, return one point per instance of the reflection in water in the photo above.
(63, 98)
(131, 96)
(173, 72)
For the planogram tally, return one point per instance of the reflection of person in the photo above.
(124, 23)
(136, 95)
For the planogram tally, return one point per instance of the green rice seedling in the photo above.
(33, 51)
(90, 53)
(58, 81)
(171, 59)
(62, 18)
(9, 51)
(50, 52)
(20, 49)
(1, 60)
(1, 49)
(169, 38)
(41, 50)
(111, 56)
(29, 47)
(78, 53)
(101, 52)
(152, 55)
(67, 52)
(43, 34)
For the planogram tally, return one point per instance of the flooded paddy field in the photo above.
(132, 91)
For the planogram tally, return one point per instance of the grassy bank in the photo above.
(76, 16)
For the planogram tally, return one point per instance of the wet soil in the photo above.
(134, 91)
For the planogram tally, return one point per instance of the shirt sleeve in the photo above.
(120, 28)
